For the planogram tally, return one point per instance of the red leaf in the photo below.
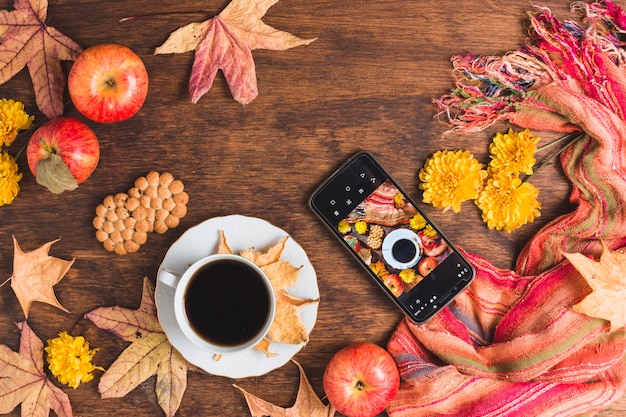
(225, 42)
(26, 40)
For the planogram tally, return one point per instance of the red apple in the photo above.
(426, 264)
(361, 380)
(394, 283)
(64, 151)
(108, 83)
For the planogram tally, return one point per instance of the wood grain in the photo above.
(367, 82)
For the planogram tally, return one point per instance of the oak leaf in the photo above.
(287, 326)
(34, 275)
(307, 403)
(149, 353)
(225, 42)
(26, 40)
(607, 279)
(24, 381)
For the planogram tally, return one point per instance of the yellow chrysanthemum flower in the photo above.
(408, 276)
(451, 177)
(13, 118)
(513, 152)
(343, 227)
(417, 222)
(429, 230)
(9, 179)
(69, 359)
(507, 203)
(360, 227)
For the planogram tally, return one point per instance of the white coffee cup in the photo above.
(223, 303)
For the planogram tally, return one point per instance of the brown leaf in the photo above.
(307, 403)
(223, 246)
(281, 274)
(150, 353)
(24, 381)
(269, 257)
(26, 40)
(287, 326)
(225, 42)
(264, 346)
(34, 275)
(607, 279)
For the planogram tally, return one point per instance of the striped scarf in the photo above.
(510, 345)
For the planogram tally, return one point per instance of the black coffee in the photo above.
(403, 250)
(227, 303)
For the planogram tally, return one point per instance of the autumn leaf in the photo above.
(26, 40)
(54, 174)
(24, 381)
(307, 403)
(149, 353)
(225, 42)
(34, 275)
(607, 279)
(287, 326)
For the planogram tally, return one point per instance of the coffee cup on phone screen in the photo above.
(223, 303)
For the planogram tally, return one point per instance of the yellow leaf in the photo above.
(607, 279)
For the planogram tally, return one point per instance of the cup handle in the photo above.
(169, 277)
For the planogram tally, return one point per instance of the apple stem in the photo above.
(46, 147)
(23, 148)
(139, 16)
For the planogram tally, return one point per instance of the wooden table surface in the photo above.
(367, 82)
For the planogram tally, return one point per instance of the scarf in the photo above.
(510, 345)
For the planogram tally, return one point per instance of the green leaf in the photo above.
(53, 174)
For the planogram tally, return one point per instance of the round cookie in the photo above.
(156, 203)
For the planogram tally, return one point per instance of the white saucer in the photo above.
(241, 233)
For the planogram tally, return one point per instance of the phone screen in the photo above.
(380, 224)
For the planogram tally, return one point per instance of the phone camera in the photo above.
(402, 248)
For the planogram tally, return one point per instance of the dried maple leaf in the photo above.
(149, 353)
(607, 279)
(307, 403)
(225, 42)
(26, 40)
(287, 326)
(34, 275)
(24, 381)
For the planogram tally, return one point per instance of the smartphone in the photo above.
(403, 251)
